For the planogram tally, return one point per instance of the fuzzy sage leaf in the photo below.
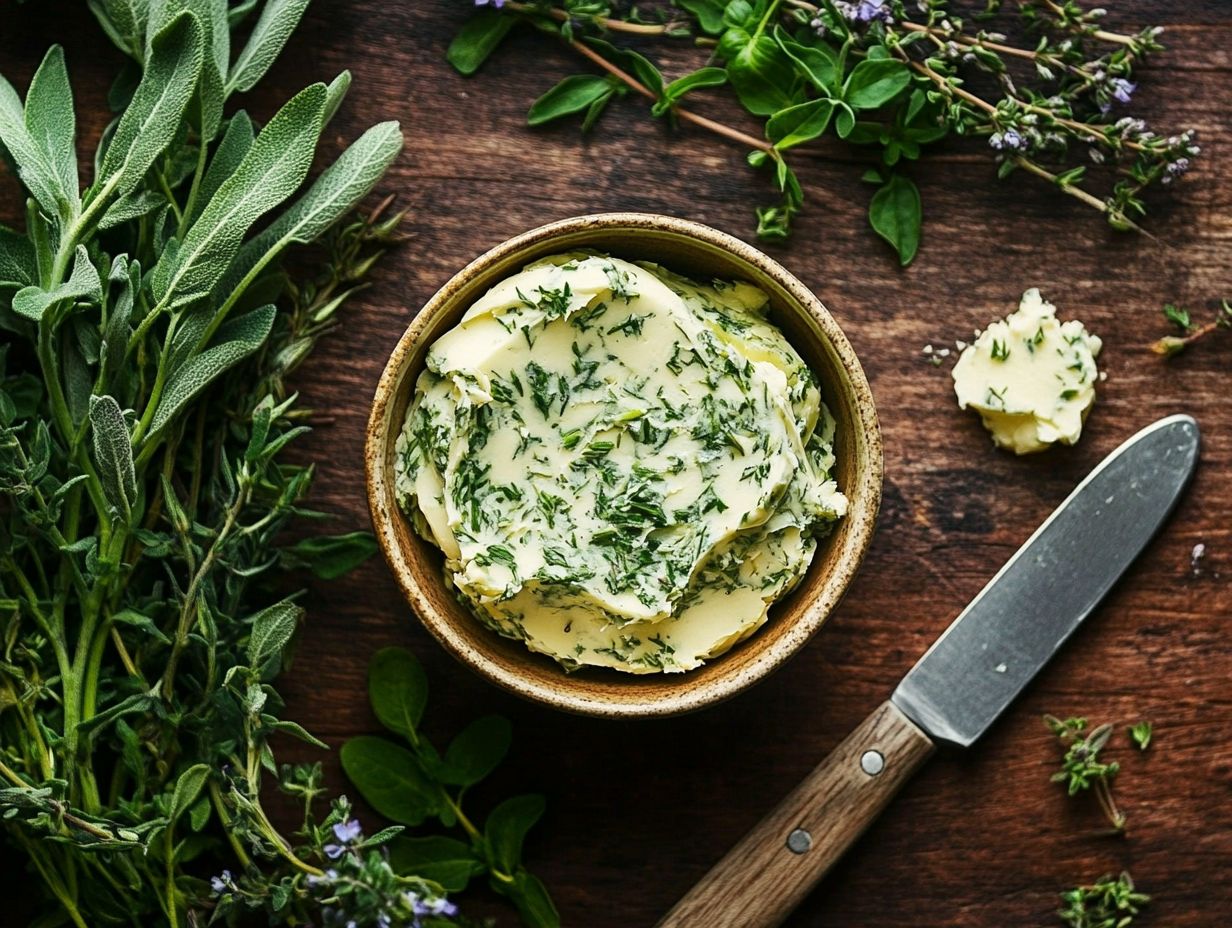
(113, 452)
(277, 21)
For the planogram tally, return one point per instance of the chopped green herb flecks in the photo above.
(623, 468)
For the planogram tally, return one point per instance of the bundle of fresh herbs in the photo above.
(147, 329)
(888, 76)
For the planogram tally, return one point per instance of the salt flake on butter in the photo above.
(1030, 377)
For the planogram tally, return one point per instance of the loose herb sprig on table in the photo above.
(412, 783)
(1109, 902)
(1191, 331)
(146, 334)
(1081, 767)
(886, 75)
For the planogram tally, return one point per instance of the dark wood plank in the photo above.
(639, 811)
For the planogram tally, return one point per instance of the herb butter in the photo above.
(1030, 377)
(623, 468)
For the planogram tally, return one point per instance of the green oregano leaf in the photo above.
(443, 860)
(477, 750)
(800, 123)
(874, 83)
(398, 690)
(571, 95)
(390, 779)
(477, 39)
(506, 828)
(895, 215)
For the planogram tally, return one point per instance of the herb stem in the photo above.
(612, 25)
(704, 122)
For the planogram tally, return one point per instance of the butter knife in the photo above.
(960, 686)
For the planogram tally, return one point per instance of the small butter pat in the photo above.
(1030, 377)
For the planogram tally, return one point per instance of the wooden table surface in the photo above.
(639, 810)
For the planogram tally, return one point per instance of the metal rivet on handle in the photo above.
(799, 841)
(872, 763)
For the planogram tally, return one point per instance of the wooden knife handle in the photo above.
(764, 877)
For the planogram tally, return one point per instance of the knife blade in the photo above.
(961, 685)
(1053, 582)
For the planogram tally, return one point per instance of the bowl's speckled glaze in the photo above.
(704, 253)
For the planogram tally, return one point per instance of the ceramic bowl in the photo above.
(703, 253)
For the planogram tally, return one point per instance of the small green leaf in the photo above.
(477, 750)
(506, 828)
(874, 83)
(762, 76)
(477, 39)
(800, 123)
(694, 80)
(398, 690)
(895, 214)
(153, 118)
(82, 283)
(272, 630)
(331, 556)
(274, 26)
(113, 453)
(639, 65)
(203, 369)
(530, 897)
(442, 860)
(188, 787)
(52, 124)
(709, 13)
(571, 95)
(1140, 734)
(595, 110)
(819, 63)
(390, 779)
(142, 623)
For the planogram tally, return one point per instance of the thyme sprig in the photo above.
(1191, 331)
(883, 75)
(1081, 767)
(1109, 902)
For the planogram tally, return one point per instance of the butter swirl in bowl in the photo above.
(623, 469)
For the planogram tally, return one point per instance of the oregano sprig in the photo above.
(885, 76)
(410, 782)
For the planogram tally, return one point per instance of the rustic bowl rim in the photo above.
(565, 694)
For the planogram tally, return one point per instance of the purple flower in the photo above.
(334, 851)
(1122, 89)
(221, 883)
(438, 906)
(1178, 167)
(1009, 140)
(864, 11)
(496, 3)
(348, 831)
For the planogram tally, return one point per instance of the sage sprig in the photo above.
(886, 76)
(410, 782)
(148, 325)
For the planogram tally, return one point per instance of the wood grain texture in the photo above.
(637, 812)
(764, 877)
